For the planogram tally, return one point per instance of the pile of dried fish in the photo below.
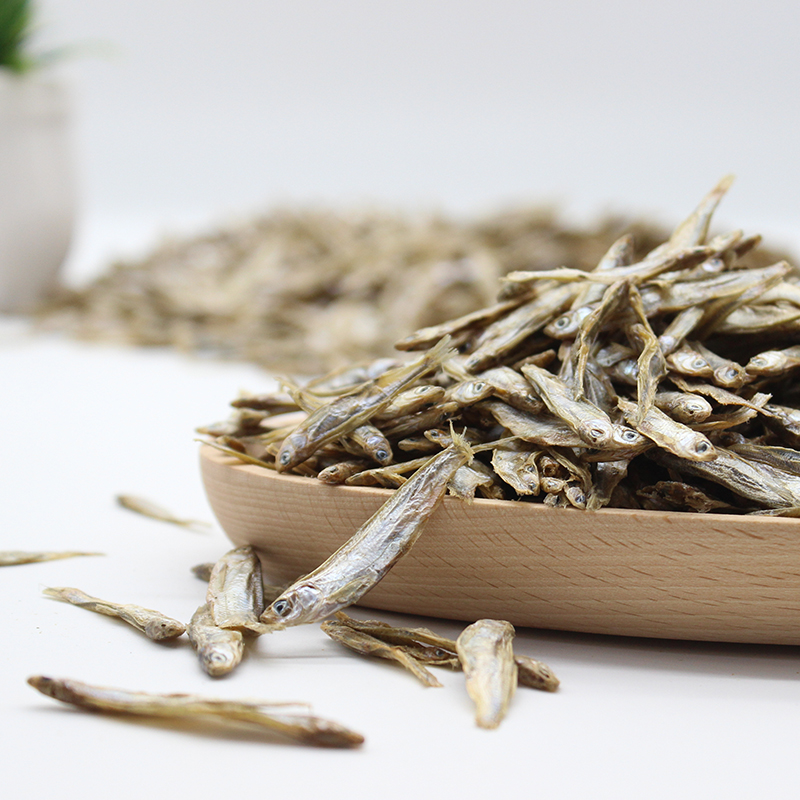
(681, 361)
(306, 291)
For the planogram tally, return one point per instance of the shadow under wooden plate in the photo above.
(660, 574)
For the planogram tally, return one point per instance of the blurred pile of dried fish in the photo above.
(683, 359)
(306, 291)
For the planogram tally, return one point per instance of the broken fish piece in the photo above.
(153, 624)
(273, 717)
(364, 643)
(484, 649)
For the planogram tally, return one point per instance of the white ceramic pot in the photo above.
(37, 186)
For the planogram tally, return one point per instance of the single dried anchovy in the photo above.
(235, 594)
(11, 558)
(153, 624)
(219, 650)
(149, 509)
(272, 717)
(484, 649)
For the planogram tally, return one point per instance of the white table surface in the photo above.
(633, 718)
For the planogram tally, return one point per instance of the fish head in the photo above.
(293, 451)
(299, 604)
(696, 447)
(568, 324)
(596, 432)
(626, 437)
(692, 364)
(770, 361)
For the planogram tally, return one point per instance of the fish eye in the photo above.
(702, 447)
(630, 436)
(562, 322)
(285, 457)
(699, 363)
(381, 455)
(282, 607)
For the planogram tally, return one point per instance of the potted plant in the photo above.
(37, 186)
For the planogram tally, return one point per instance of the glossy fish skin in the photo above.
(346, 412)
(727, 373)
(487, 658)
(154, 624)
(511, 387)
(273, 717)
(669, 434)
(364, 643)
(411, 401)
(371, 552)
(220, 651)
(683, 406)
(373, 442)
(235, 594)
(591, 424)
(12, 558)
(342, 470)
(544, 430)
(505, 334)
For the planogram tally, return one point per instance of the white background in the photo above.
(194, 112)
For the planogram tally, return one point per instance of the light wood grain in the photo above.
(636, 573)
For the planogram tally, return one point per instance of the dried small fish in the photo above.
(648, 346)
(487, 658)
(153, 624)
(363, 643)
(753, 480)
(517, 467)
(149, 509)
(683, 406)
(590, 423)
(11, 558)
(348, 411)
(219, 650)
(235, 595)
(669, 434)
(774, 362)
(362, 561)
(434, 650)
(272, 717)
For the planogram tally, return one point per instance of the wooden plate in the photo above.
(636, 573)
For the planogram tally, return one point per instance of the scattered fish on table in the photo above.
(155, 625)
(275, 718)
(147, 508)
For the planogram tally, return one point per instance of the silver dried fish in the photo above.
(153, 624)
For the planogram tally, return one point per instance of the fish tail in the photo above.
(460, 443)
(441, 351)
